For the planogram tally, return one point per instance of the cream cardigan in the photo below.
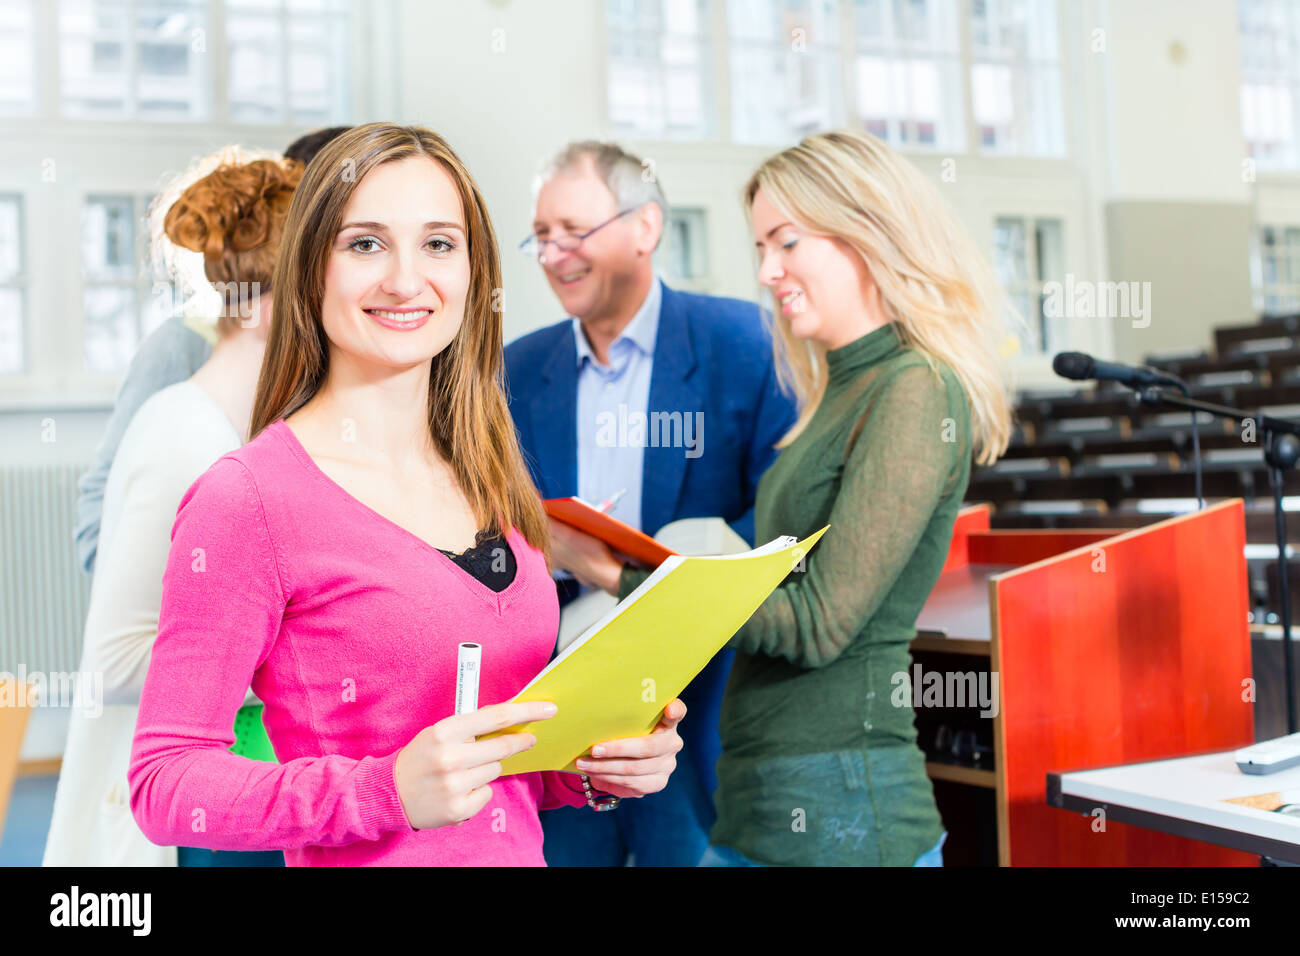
(174, 438)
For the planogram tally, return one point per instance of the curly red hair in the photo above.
(234, 216)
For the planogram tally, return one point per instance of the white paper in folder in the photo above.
(690, 536)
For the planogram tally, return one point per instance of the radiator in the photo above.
(44, 593)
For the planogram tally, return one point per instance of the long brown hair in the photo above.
(469, 423)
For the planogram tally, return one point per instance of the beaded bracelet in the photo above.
(605, 801)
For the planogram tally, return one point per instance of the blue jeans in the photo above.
(667, 828)
(196, 856)
(726, 856)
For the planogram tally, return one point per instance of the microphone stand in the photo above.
(1281, 452)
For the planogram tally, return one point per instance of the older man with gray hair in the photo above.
(635, 350)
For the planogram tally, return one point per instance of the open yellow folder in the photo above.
(616, 679)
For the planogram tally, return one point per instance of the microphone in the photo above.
(1080, 366)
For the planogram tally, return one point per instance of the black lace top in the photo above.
(490, 560)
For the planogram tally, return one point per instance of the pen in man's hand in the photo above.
(605, 506)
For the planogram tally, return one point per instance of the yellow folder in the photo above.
(616, 679)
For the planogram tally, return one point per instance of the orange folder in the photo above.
(619, 536)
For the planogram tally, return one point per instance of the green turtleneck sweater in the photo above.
(819, 762)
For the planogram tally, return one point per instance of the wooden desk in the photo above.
(1109, 646)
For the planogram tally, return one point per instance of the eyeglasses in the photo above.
(535, 245)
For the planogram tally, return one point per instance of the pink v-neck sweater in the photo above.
(346, 626)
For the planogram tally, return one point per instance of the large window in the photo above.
(659, 68)
(904, 70)
(1270, 80)
(12, 298)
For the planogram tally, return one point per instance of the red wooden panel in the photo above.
(1132, 650)
(1030, 545)
(972, 519)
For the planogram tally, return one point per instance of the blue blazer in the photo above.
(712, 355)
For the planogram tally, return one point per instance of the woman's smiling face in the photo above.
(820, 284)
(398, 274)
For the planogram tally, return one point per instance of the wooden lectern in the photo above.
(1110, 647)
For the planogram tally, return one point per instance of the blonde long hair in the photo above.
(469, 423)
(935, 285)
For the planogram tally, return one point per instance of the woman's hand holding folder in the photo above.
(444, 774)
(635, 766)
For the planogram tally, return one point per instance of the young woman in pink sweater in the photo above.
(380, 516)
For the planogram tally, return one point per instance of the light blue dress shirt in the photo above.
(612, 412)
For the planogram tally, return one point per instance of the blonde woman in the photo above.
(888, 322)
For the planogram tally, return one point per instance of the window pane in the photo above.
(1010, 253)
(122, 59)
(12, 360)
(909, 90)
(658, 70)
(318, 69)
(1269, 48)
(1016, 86)
(172, 79)
(1049, 260)
(254, 41)
(11, 238)
(111, 322)
(288, 62)
(108, 244)
(785, 69)
(683, 252)
(92, 57)
(17, 59)
(1275, 268)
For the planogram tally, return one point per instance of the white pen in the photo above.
(468, 659)
(605, 506)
